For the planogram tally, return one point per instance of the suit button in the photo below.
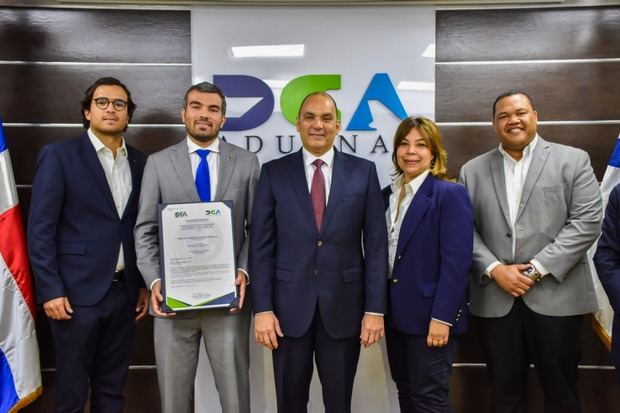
(394, 280)
(508, 234)
(319, 243)
(399, 257)
(316, 272)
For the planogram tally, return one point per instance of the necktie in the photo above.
(203, 178)
(317, 193)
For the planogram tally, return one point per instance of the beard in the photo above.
(203, 136)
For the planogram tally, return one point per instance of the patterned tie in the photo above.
(317, 193)
(203, 178)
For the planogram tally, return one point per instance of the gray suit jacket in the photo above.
(168, 179)
(558, 219)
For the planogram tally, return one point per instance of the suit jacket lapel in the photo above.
(228, 158)
(539, 158)
(93, 164)
(417, 209)
(499, 183)
(180, 160)
(135, 178)
(297, 172)
(340, 174)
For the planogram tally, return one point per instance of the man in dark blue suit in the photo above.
(80, 238)
(318, 259)
(607, 262)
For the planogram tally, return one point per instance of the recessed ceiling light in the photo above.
(421, 86)
(275, 50)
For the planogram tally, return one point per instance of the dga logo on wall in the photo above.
(380, 89)
(215, 212)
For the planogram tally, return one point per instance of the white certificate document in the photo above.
(197, 255)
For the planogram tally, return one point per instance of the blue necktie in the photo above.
(203, 178)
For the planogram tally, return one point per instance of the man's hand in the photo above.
(267, 329)
(58, 308)
(142, 306)
(511, 278)
(157, 299)
(438, 334)
(242, 282)
(372, 329)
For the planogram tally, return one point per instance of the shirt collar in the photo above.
(99, 146)
(412, 186)
(193, 147)
(527, 151)
(327, 157)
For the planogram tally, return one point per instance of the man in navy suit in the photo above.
(80, 238)
(318, 259)
(607, 262)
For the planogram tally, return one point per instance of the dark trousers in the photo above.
(421, 373)
(522, 337)
(94, 348)
(336, 362)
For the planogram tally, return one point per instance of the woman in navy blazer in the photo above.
(430, 236)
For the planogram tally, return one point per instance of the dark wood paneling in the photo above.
(465, 93)
(594, 351)
(469, 391)
(25, 142)
(92, 35)
(52, 94)
(525, 34)
(466, 142)
(141, 393)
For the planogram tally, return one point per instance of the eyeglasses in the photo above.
(103, 103)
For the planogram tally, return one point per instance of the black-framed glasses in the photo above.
(103, 103)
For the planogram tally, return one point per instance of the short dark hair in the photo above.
(90, 92)
(324, 94)
(206, 87)
(511, 92)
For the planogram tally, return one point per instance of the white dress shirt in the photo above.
(515, 173)
(118, 175)
(326, 168)
(396, 213)
(213, 160)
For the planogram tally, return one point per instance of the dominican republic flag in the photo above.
(20, 373)
(605, 315)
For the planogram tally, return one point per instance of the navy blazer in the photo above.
(607, 262)
(342, 267)
(74, 231)
(433, 258)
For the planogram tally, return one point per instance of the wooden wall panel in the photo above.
(89, 35)
(466, 142)
(560, 91)
(32, 93)
(48, 57)
(583, 96)
(26, 142)
(524, 34)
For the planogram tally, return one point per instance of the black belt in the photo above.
(119, 276)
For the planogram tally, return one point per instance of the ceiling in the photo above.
(185, 3)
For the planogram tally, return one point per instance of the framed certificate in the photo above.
(197, 255)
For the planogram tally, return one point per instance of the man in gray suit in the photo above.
(169, 177)
(537, 210)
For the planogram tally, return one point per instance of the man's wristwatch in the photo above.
(532, 273)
